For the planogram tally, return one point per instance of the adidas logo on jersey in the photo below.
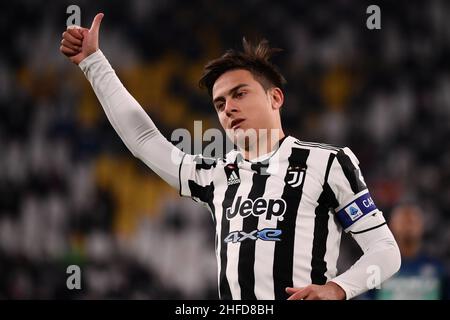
(233, 179)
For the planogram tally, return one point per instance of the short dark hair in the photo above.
(254, 58)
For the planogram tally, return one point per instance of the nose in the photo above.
(230, 107)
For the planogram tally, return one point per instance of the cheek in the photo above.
(256, 106)
(222, 119)
(264, 110)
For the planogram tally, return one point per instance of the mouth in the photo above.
(236, 123)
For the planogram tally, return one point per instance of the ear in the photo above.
(277, 97)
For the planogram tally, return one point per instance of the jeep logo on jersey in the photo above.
(295, 175)
(269, 207)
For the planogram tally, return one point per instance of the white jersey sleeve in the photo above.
(131, 122)
(358, 215)
(196, 178)
(354, 202)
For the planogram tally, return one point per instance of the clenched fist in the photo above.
(78, 42)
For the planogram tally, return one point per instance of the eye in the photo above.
(240, 94)
(219, 106)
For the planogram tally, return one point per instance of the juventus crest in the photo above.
(295, 176)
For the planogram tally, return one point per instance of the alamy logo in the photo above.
(374, 20)
(75, 18)
(233, 179)
(353, 211)
(74, 280)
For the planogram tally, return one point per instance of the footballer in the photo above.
(279, 206)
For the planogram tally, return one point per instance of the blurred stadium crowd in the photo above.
(71, 193)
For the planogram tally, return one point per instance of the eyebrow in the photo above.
(231, 91)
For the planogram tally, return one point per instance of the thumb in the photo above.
(95, 27)
(84, 31)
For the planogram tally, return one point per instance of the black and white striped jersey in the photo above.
(278, 221)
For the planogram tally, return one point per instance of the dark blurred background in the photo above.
(71, 193)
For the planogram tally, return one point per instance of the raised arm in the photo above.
(130, 121)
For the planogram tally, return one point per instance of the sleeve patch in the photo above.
(356, 209)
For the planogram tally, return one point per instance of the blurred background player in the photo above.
(421, 276)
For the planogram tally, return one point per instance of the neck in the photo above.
(265, 144)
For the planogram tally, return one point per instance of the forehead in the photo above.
(230, 79)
